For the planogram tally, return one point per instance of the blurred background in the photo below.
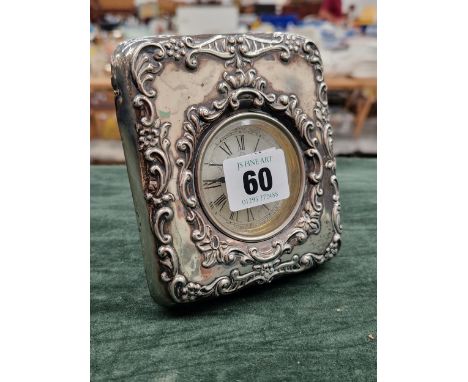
(344, 30)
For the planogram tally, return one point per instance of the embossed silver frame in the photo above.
(182, 268)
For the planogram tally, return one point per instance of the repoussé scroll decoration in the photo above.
(239, 52)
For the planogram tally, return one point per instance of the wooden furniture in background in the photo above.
(364, 93)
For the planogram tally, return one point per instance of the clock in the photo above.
(237, 136)
(229, 152)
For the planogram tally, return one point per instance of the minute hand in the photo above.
(211, 183)
(217, 180)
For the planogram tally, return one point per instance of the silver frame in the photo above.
(136, 65)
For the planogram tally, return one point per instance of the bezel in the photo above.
(136, 65)
(205, 141)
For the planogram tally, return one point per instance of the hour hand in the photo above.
(212, 183)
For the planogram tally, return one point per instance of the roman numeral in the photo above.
(264, 205)
(234, 215)
(258, 140)
(221, 201)
(250, 216)
(225, 148)
(240, 142)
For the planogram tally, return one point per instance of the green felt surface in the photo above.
(308, 327)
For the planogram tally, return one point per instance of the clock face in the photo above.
(236, 136)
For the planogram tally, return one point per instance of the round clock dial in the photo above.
(239, 135)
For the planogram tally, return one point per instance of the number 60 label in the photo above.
(256, 179)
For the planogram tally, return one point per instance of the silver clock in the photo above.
(229, 154)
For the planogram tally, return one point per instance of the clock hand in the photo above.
(212, 183)
(217, 180)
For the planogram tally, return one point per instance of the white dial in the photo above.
(243, 135)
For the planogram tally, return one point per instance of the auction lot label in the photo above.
(256, 179)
